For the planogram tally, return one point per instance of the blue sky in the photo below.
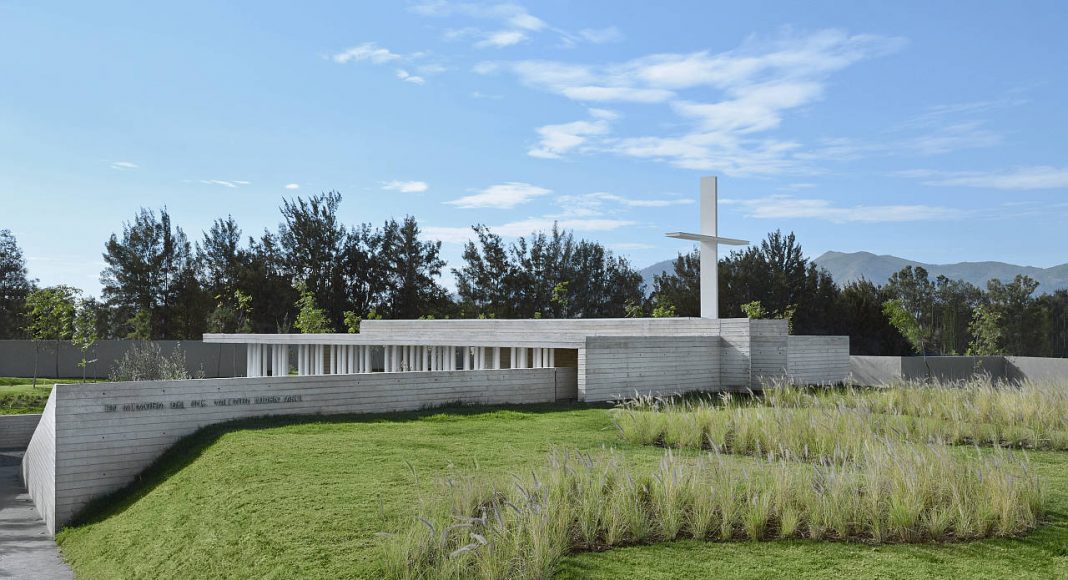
(930, 130)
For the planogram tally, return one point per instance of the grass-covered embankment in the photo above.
(18, 395)
(309, 497)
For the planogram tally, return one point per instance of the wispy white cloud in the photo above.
(556, 140)
(757, 85)
(292, 186)
(405, 186)
(230, 183)
(510, 24)
(938, 115)
(501, 196)
(601, 35)
(368, 51)
(502, 38)
(124, 165)
(410, 78)
(1018, 178)
(788, 207)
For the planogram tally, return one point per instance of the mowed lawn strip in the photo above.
(307, 499)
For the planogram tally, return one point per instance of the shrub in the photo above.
(145, 361)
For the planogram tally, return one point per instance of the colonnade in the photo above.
(341, 359)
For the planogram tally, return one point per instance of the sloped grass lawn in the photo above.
(18, 395)
(306, 498)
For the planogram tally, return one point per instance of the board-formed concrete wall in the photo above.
(768, 351)
(533, 332)
(39, 464)
(17, 358)
(817, 360)
(17, 430)
(735, 369)
(96, 438)
(614, 367)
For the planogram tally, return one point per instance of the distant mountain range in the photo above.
(846, 267)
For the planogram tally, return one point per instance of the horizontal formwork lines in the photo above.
(336, 402)
(207, 387)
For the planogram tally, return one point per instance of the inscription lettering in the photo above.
(203, 403)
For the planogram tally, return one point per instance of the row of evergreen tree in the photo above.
(314, 273)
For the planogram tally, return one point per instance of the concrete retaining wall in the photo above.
(39, 464)
(17, 430)
(1036, 368)
(817, 360)
(882, 370)
(95, 438)
(17, 358)
(615, 367)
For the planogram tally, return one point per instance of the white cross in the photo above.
(710, 241)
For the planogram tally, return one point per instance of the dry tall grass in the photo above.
(896, 493)
(846, 464)
(820, 422)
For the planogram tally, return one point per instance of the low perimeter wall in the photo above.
(16, 430)
(882, 370)
(94, 439)
(17, 358)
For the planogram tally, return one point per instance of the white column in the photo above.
(425, 352)
(523, 357)
(496, 357)
(365, 356)
(552, 357)
(320, 363)
(249, 371)
(450, 359)
(280, 360)
(465, 352)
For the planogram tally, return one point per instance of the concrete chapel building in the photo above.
(94, 439)
(595, 359)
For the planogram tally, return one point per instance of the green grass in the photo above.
(306, 498)
(17, 394)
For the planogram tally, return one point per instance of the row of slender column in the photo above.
(314, 359)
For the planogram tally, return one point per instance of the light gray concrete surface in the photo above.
(817, 360)
(16, 430)
(1036, 369)
(615, 367)
(17, 356)
(881, 370)
(27, 550)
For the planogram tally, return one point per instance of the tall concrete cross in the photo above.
(710, 241)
